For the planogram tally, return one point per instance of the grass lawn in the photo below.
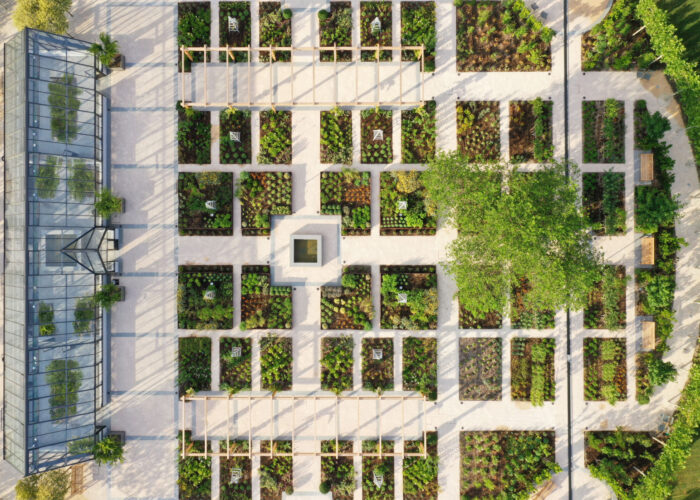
(685, 15)
(688, 485)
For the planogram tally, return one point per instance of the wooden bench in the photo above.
(647, 167)
(648, 335)
(648, 252)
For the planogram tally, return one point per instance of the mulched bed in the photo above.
(194, 364)
(599, 385)
(263, 305)
(383, 466)
(241, 38)
(336, 363)
(378, 375)
(479, 130)
(368, 12)
(419, 283)
(276, 363)
(521, 317)
(417, 218)
(376, 151)
(348, 307)
(279, 468)
(197, 311)
(428, 488)
(193, 136)
(262, 195)
(339, 472)
(275, 137)
(420, 366)
(229, 489)
(275, 31)
(193, 486)
(493, 320)
(604, 201)
(336, 30)
(418, 28)
(234, 369)
(523, 368)
(347, 194)
(231, 150)
(193, 30)
(595, 312)
(336, 136)
(530, 134)
(480, 369)
(194, 190)
(603, 137)
(418, 132)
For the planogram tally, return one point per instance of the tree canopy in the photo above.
(51, 485)
(46, 15)
(514, 225)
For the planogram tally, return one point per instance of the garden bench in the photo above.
(648, 256)
(648, 335)
(646, 167)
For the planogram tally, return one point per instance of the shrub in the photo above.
(109, 450)
(84, 314)
(108, 295)
(46, 324)
(654, 207)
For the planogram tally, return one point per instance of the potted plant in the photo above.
(108, 204)
(109, 450)
(109, 294)
(107, 52)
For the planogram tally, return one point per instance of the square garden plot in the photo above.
(205, 297)
(604, 370)
(275, 31)
(235, 472)
(235, 137)
(501, 36)
(420, 366)
(194, 473)
(479, 130)
(418, 132)
(530, 133)
(193, 30)
(375, 29)
(404, 206)
(607, 302)
(603, 131)
(264, 305)
(234, 29)
(193, 136)
(522, 316)
(276, 363)
(409, 297)
(491, 320)
(348, 194)
(532, 370)
(336, 136)
(505, 464)
(262, 195)
(604, 202)
(194, 364)
(377, 472)
(348, 307)
(378, 364)
(420, 481)
(336, 363)
(480, 369)
(276, 472)
(375, 136)
(337, 474)
(418, 28)
(234, 364)
(205, 204)
(275, 136)
(335, 29)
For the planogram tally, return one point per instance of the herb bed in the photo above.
(405, 208)
(491, 320)
(419, 285)
(337, 474)
(240, 11)
(275, 136)
(193, 136)
(194, 364)
(480, 369)
(369, 36)
(604, 374)
(243, 487)
(205, 297)
(336, 363)
(376, 466)
(375, 139)
(276, 363)
(264, 305)
(234, 364)
(193, 30)
(418, 132)
(262, 195)
(196, 214)
(530, 132)
(607, 305)
(276, 472)
(420, 366)
(194, 473)
(335, 29)
(479, 130)
(501, 36)
(378, 374)
(532, 370)
(420, 475)
(336, 136)
(348, 307)
(521, 316)
(604, 201)
(603, 131)
(348, 194)
(275, 31)
(418, 28)
(234, 141)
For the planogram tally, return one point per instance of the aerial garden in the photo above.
(480, 368)
(205, 205)
(205, 297)
(275, 31)
(478, 130)
(532, 370)
(409, 297)
(263, 305)
(405, 208)
(234, 29)
(375, 29)
(348, 307)
(348, 194)
(262, 195)
(235, 137)
(530, 133)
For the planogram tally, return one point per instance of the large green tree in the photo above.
(51, 485)
(513, 225)
(46, 15)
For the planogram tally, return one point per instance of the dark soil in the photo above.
(230, 151)
(378, 375)
(492, 320)
(240, 38)
(480, 369)
(478, 130)
(521, 372)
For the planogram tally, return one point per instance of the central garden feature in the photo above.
(307, 250)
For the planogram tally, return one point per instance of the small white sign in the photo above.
(210, 295)
(377, 354)
(376, 25)
(236, 475)
(378, 479)
(210, 204)
(378, 135)
(402, 298)
(234, 136)
(236, 351)
(233, 24)
(402, 205)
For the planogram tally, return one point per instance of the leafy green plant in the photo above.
(46, 324)
(604, 370)
(262, 305)
(64, 377)
(276, 363)
(347, 194)
(335, 29)
(648, 129)
(231, 150)
(234, 364)
(106, 50)
(337, 474)
(195, 217)
(369, 36)
(376, 150)
(194, 364)
(418, 28)
(193, 135)
(275, 31)
(377, 466)
(603, 131)
(336, 363)
(108, 295)
(478, 130)
(50, 485)
(405, 207)
(232, 38)
(275, 136)
(348, 307)
(276, 472)
(420, 481)
(194, 473)
(47, 179)
(83, 314)
(81, 180)
(654, 207)
(263, 194)
(419, 285)
(109, 450)
(64, 101)
(378, 374)
(193, 30)
(606, 307)
(235, 490)
(205, 297)
(107, 204)
(336, 136)
(532, 370)
(418, 131)
(420, 366)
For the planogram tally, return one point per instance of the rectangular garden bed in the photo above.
(480, 369)
(530, 132)
(205, 297)
(606, 303)
(532, 370)
(193, 136)
(501, 36)
(409, 297)
(420, 475)
(603, 131)
(604, 202)
(523, 317)
(275, 31)
(378, 364)
(418, 28)
(420, 366)
(505, 464)
(234, 29)
(348, 194)
(276, 363)
(375, 136)
(235, 473)
(604, 370)
(262, 195)
(405, 208)
(479, 130)
(235, 137)
(336, 136)
(372, 33)
(377, 467)
(418, 132)
(335, 29)
(264, 305)
(348, 307)
(193, 30)
(337, 474)
(275, 136)
(492, 320)
(276, 472)
(336, 363)
(234, 364)
(205, 204)
(194, 473)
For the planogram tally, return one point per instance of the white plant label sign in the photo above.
(236, 475)
(402, 298)
(378, 479)
(234, 136)
(377, 354)
(210, 204)
(376, 25)
(236, 351)
(210, 295)
(232, 24)
(378, 135)
(402, 205)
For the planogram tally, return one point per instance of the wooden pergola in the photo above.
(271, 101)
(250, 399)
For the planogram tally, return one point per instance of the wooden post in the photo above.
(228, 417)
(250, 419)
(182, 430)
(228, 92)
(250, 78)
(206, 420)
